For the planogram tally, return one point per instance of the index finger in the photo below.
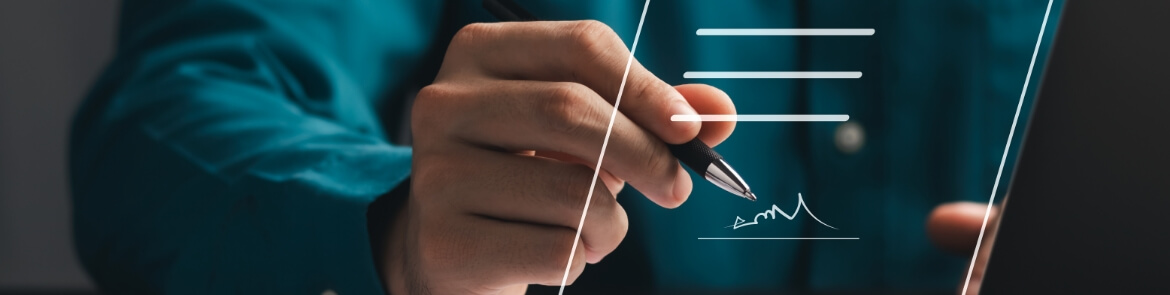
(586, 52)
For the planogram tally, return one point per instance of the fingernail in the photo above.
(681, 107)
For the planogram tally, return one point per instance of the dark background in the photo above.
(50, 52)
(1086, 213)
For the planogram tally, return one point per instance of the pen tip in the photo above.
(750, 196)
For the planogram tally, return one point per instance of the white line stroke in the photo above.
(784, 32)
(759, 118)
(605, 143)
(778, 238)
(771, 214)
(1006, 147)
(771, 75)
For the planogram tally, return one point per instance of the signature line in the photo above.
(771, 214)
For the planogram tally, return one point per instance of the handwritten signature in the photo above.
(771, 214)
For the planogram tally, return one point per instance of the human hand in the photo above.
(504, 142)
(955, 227)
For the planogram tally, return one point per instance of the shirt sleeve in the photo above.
(233, 147)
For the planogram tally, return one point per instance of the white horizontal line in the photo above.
(759, 118)
(771, 75)
(785, 32)
(808, 238)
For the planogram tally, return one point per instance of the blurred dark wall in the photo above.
(50, 52)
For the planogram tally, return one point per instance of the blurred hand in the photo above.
(955, 227)
(504, 141)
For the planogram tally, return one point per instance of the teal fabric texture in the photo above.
(234, 146)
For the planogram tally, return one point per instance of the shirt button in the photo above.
(850, 138)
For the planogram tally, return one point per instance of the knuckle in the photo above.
(428, 107)
(472, 34)
(593, 37)
(564, 108)
(427, 96)
(432, 92)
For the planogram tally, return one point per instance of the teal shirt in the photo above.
(234, 146)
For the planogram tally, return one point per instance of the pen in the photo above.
(694, 154)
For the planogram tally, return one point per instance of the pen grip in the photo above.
(695, 154)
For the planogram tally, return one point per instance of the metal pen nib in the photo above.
(704, 160)
(723, 176)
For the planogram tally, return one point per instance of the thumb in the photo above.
(706, 99)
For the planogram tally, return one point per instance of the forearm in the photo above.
(232, 146)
